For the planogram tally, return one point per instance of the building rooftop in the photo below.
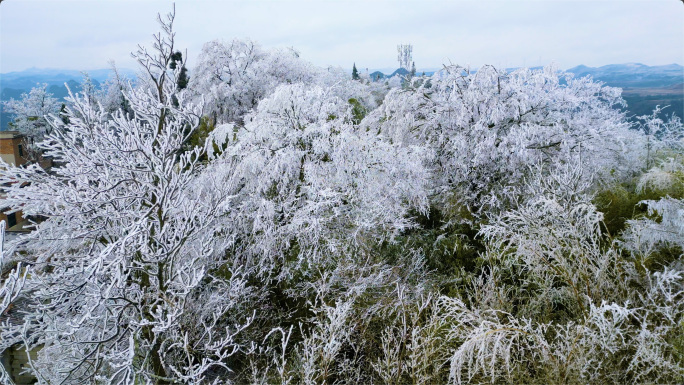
(10, 134)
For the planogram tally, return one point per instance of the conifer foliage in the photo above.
(355, 73)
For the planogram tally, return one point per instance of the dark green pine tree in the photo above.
(355, 73)
(183, 77)
(62, 114)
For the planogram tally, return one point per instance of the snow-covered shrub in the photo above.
(666, 178)
(661, 137)
(559, 305)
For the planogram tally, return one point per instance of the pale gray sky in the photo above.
(86, 34)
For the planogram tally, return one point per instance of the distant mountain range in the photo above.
(633, 75)
(377, 75)
(28, 78)
(13, 84)
(626, 75)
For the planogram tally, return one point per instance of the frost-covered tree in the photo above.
(111, 93)
(122, 262)
(660, 134)
(234, 76)
(307, 195)
(31, 116)
(306, 179)
(31, 112)
(487, 127)
(405, 56)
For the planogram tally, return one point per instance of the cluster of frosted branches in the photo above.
(233, 77)
(487, 127)
(9, 291)
(660, 134)
(299, 173)
(664, 224)
(613, 343)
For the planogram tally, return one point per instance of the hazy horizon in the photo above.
(384, 69)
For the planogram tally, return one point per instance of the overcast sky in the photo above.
(86, 34)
